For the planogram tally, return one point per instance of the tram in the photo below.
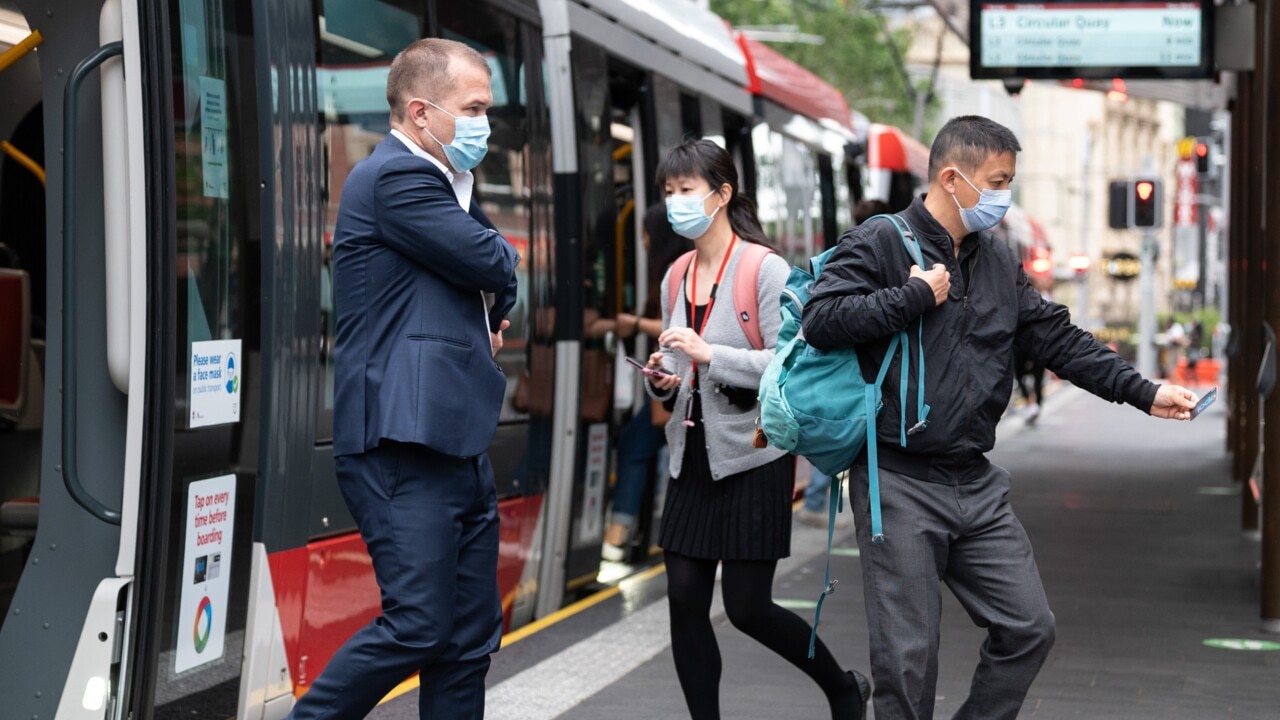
(172, 538)
(897, 166)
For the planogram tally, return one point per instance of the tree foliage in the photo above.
(856, 57)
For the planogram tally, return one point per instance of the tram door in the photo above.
(63, 404)
(193, 589)
(612, 138)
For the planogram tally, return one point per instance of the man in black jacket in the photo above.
(945, 512)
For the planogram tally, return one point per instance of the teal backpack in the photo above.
(816, 404)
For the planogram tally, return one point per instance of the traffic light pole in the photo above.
(1084, 318)
(1147, 308)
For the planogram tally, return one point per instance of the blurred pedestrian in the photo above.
(946, 515)
(727, 503)
(1025, 367)
(641, 439)
(414, 412)
(866, 209)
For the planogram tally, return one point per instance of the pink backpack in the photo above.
(745, 280)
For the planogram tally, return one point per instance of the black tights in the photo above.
(747, 587)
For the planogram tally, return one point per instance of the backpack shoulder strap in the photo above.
(908, 237)
(922, 409)
(675, 281)
(746, 300)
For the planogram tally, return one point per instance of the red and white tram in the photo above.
(172, 538)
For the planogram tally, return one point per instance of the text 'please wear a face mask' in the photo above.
(990, 210)
(688, 215)
(470, 140)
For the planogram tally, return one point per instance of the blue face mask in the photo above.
(688, 215)
(990, 210)
(470, 140)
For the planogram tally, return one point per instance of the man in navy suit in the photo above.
(423, 283)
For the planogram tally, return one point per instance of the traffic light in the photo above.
(1118, 208)
(1145, 203)
(1201, 153)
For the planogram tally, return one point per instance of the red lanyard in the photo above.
(711, 300)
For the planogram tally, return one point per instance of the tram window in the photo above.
(844, 203)
(690, 115)
(668, 111)
(360, 31)
(712, 121)
(830, 201)
(502, 181)
(787, 193)
(213, 223)
(902, 190)
(358, 40)
(737, 138)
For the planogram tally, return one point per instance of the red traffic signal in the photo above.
(1202, 158)
(1145, 204)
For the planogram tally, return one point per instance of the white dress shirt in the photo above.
(462, 183)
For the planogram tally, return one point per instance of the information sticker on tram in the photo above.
(206, 575)
(215, 383)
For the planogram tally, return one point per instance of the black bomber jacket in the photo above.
(865, 295)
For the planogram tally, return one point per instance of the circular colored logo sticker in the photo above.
(204, 616)
(233, 378)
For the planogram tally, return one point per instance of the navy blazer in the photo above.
(412, 357)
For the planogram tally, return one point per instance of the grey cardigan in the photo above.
(734, 363)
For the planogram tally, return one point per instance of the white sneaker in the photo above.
(1033, 412)
(612, 553)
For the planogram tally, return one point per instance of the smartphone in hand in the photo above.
(646, 369)
(1205, 401)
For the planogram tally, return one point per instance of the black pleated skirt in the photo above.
(746, 516)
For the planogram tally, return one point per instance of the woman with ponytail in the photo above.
(727, 502)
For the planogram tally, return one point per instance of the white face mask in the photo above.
(470, 140)
(688, 215)
(990, 210)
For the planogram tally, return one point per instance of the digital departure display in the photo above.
(1064, 40)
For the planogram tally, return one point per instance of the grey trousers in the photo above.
(967, 537)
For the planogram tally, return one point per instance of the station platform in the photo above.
(1136, 530)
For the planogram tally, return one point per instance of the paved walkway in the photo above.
(1136, 532)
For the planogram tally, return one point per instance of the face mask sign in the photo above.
(470, 140)
(990, 210)
(688, 215)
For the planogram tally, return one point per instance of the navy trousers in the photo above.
(431, 526)
(966, 537)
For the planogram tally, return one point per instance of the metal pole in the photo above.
(1082, 280)
(1268, 84)
(1221, 278)
(1201, 297)
(1147, 308)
